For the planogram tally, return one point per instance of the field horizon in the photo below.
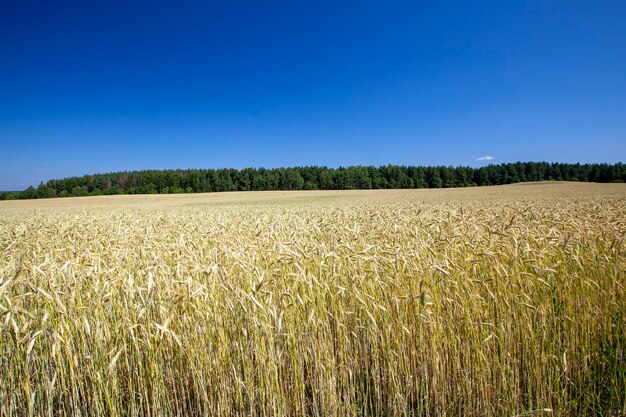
(140, 201)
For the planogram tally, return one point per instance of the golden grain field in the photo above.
(499, 301)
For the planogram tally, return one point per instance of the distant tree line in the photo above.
(317, 178)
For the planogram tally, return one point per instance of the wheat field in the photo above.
(498, 301)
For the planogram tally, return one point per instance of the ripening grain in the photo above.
(477, 302)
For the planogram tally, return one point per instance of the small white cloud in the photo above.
(486, 158)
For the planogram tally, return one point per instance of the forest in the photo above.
(317, 178)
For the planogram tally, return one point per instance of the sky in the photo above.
(89, 86)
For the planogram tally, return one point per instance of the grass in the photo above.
(497, 301)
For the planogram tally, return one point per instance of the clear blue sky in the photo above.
(93, 86)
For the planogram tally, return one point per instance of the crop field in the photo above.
(498, 301)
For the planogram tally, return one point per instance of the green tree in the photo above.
(80, 191)
(293, 180)
(326, 179)
(43, 191)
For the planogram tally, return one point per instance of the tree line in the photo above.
(317, 178)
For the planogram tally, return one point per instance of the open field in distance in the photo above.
(490, 301)
(527, 190)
